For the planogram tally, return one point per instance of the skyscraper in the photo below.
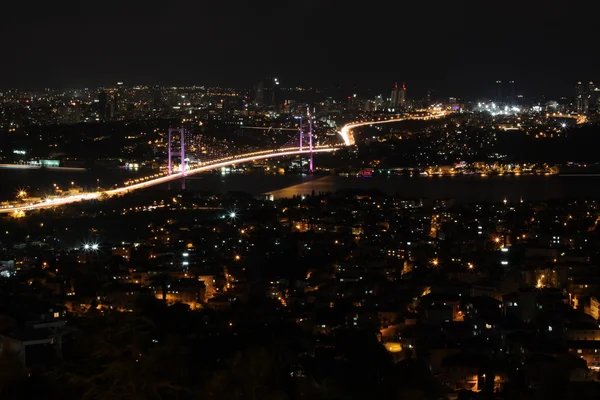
(398, 97)
(512, 93)
(103, 105)
(276, 95)
(259, 92)
(156, 98)
(590, 98)
(499, 93)
(430, 97)
(403, 95)
(579, 95)
(395, 96)
(266, 93)
(119, 98)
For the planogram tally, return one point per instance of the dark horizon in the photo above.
(457, 49)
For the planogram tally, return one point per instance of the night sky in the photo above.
(456, 47)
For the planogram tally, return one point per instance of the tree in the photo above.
(122, 364)
(12, 376)
(252, 374)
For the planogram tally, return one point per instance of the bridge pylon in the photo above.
(310, 140)
(310, 144)
(181, 133)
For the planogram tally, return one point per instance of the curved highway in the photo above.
(345, 132)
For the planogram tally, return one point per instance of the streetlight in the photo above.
(91, 246)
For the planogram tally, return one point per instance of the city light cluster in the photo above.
(496, 109)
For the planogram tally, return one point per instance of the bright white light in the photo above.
(563, 125)
(504, 262)
(232, 214)
(95, 246)
(504, 249)
(86, 246)
(185, 254)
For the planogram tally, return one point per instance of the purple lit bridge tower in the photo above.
(310, 140)
(181, 133)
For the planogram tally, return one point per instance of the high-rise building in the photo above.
(586, 98)
(276, 98)
(259, 93)
(352, 102)
(499, 93)
(156, 98)
(103, 106)
(512, 100)
(395, 97)
(430, 97)
(398, 97)
(266, 93)
(590, 98)
(579, 97)
(378, 102)
(117, 101)
(403, 95)
(119, 98)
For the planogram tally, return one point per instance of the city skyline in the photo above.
(299, 200)
(458, 49)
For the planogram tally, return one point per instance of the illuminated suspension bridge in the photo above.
(303, 146)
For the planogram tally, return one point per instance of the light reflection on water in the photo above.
(461, 188)
(324, 184)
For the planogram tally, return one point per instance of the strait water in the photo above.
(462, 188)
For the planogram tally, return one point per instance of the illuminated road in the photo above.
(580, 119)
(345, 132)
